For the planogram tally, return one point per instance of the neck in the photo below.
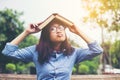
(56, 46)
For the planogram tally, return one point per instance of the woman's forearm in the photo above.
(19, 38)
(79, 32)
(84, 37)
(32, 28)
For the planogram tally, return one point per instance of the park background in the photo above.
(99, 19)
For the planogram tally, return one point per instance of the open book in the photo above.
(55, 17)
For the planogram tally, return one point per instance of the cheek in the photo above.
(64, 36)
(52, 37)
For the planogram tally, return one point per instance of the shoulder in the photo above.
(76, 50)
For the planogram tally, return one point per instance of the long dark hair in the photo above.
(44, 47)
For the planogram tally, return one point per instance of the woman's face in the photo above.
(57, 33)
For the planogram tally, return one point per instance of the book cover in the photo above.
(56, 17)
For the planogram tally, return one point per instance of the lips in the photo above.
(59, 35)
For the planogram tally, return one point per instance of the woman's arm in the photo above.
(77, 31)
(25, 54)
(31, 29)
(93, 49)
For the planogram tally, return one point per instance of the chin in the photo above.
(60, 40)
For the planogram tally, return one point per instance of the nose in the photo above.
(58, 30)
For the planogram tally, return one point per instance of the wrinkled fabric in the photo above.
(59, 67)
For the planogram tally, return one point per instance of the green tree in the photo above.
(98, 10)
(11, 27)
(74, 70)
(83, 69)
(115, 54)
(10, 67)
(87, 67)
(92, 65)
(28, 41)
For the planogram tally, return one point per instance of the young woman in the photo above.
(53, 56)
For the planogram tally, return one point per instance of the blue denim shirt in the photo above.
(59, 66)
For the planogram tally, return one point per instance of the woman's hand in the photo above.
(33, 28)
(74, 29)
(79, 32)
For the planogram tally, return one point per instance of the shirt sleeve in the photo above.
(25, 54)
(93, 50)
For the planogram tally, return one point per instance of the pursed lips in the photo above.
(59, 35)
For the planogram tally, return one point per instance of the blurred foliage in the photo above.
(98, 11)
(87, 67)
(11, 27)
(24, 68)
(10, 67)
(73, 43)
(115, 53)
(83, 69)
(30, 40)
(105, 14)
(74, 70)
(106, 46)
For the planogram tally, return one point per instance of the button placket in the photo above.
(55, 72)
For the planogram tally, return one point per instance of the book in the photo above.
(56, 17)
